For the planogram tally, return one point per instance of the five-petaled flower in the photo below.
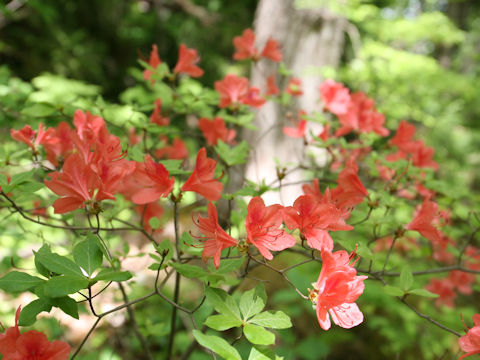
(202, 180)
(187, 60)
(336, 290)
(245, 48)
(263, 228)
(31, 345)
(470, 343)
(215, 129)
(153, 61)
(215, 239)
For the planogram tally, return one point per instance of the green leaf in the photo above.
(422, 292)
(16, 281)
(250, 304)
(189, 271)
(261, 353)
(222, 302)
(42, 270)
(274, 320)
(59, 286)
(258, 335)
(393, 291)
(67, 304)
(39, 110)
(113, 275)
(222, 322)
(229, 265)
(58, 264)
(154, 222)
(21, 178)
(29, 313)
(406, 278)
(217, 345)
(233, 155)
(88, 254)
(30, 187)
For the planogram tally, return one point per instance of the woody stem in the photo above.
(176, 292)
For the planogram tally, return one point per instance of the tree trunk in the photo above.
(310, 39)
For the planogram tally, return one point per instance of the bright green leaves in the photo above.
(273, 320)
(246, 314)
(16, 281)
(217, 345)
(233, 155)
(88, 254)
(406, 278)
(251, 303)
(406, 283)
(63, 277)
(223, 303)
(59, 286)
(222, 322)
(258, 335)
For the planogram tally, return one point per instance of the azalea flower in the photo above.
(234, 90)
(153, 180)
(215, 239)
(362, 117)
(245, 48)
(76, 185)
(423, 220)
(187, 60)
(335, 97)
(350, 190)
(445, 290)
(153, 61)
(214, 130)
(263, 228)
(294, 87)
(30, 345)
(271, 51)
(336, 290)
(157, 116)
(470, 343)
(272, 88)
(177, 150)
(149, 211)
(296, 132)
(202, 179)
(314, 219)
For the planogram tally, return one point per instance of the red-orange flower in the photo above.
(215, 239)
(263, 228)
(336, 290)
(234, 91)
(335, 97)
(296, 132)
(202, 180)
(470, 343)
(76, 184)
(187, 60)
(423, 220)
(271, 51)
(245, 46)
(157, 116)
(350, 190)
(31, 345)
(154, 185)
(272, 88)
(154, 61)
(177, 150)
(215, 129)
(294, 87)
(314, 219)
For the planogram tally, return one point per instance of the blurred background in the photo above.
(419, 60)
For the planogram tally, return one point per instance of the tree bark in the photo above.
(310, 39)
